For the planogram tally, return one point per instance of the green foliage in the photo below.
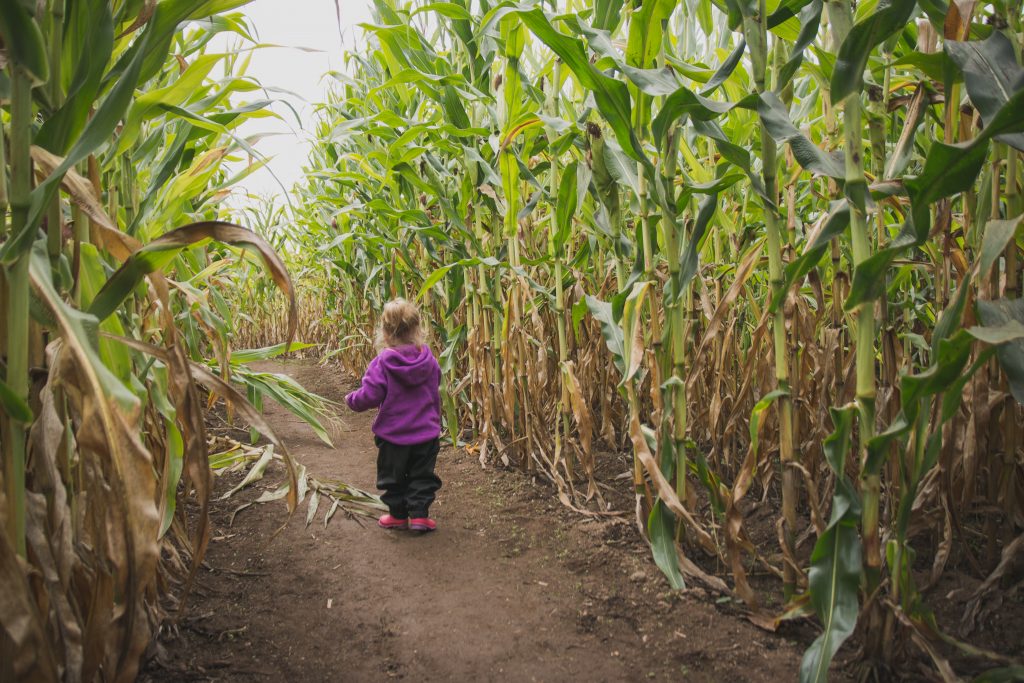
(118, 137)
(709, 223)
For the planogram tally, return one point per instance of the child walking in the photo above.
(403, 382)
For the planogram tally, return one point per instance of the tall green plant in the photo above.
(619, 212)
(97, 458)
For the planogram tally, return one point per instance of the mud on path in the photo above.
(512, 587)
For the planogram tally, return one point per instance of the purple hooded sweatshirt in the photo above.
(403, 382)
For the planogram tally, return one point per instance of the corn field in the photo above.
(118, 127)
(771, 251)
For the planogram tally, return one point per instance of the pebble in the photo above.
(637, 577)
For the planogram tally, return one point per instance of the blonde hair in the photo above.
(400, 325)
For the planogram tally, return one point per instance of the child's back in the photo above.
(403, 381)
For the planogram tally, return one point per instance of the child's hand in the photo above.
(350, 397)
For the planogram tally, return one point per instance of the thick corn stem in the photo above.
(757, 39)
(17, 302)
(841, 17)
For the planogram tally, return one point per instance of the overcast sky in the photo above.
(295, 23)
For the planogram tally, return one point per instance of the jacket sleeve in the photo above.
(373, 390)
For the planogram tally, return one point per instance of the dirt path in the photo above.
(513, 587)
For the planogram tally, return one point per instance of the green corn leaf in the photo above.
(23, 41)
(96, 133)
(837, 444)
(946, 376)
(445, 9)
(174, 464)
(510, 186)
(950, 359)
(834, 580)
(786, 10)
(565, 206)
(79, 330)
(705, 17)
(438, 274)
(776, 121)
(289, 394)
(455, 111)
(878, 446)
(1010, 331)
(267, 352)
(646, 28)
(611, 95)
(991, 75)
(689, 262)
(810, 20)
(952, 316)
(869, 277)
(620, 167)
(171, 14)
(608, 14)
(889, 17)
(485, 168)
(732, 8)
(652, 81)
(836, 223)
(149, 104)
(725, 70)
(734, 154)
(954, 396)
(949, 169)
(1001, 314)
(936, 66)
(530, 205)
(92, 275)
(15, 406)
(834, 577)
(633, 330)
(661, 528)
(603, 312)
(1007, 120)
(998, 234)
(91, 30)
(513, 35)
(684, 103)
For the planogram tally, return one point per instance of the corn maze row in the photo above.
(769, 250)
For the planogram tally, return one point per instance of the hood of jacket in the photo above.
(409, 365)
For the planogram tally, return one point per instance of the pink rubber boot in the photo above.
(389, 522)
(422, 524)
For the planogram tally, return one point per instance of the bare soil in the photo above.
(512, 587)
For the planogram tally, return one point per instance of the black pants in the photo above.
(406, 475)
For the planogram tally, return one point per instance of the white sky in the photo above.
(295, 23)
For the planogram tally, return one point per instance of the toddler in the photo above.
(403, 382)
